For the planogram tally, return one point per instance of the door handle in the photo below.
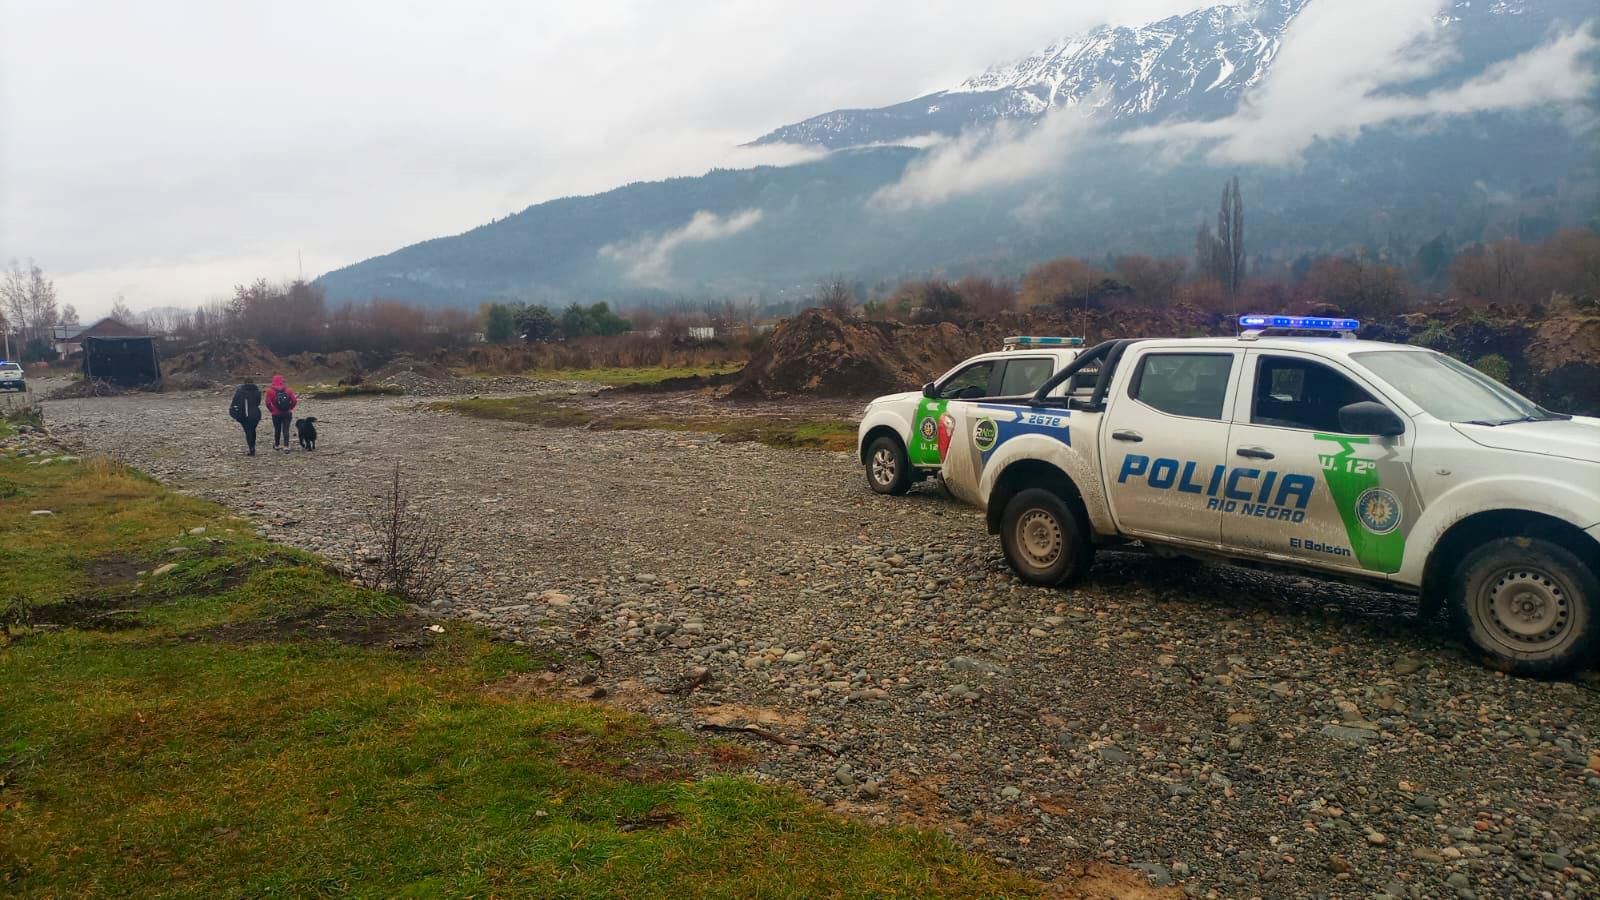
(1126, 435)
(1253, 453)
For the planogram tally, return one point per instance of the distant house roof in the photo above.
(107, 327)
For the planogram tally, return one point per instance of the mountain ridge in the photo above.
(1475, 175)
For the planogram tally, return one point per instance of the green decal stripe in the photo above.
(924, 451)
(1348, 478)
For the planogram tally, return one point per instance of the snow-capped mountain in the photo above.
(1462, 179)
(1191, 66)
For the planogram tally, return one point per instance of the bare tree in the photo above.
(69, 315)
(121, 312)
(29, 300)
(409, 545)
(836, 294)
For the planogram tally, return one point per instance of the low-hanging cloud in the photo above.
(648, 261)
(1342, 68)
(980, 159)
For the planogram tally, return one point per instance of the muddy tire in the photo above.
(888, 468)
(1529, 605)
(1044, 540)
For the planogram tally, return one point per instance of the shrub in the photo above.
(1495, 366)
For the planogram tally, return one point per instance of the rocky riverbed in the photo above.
(1233, 734)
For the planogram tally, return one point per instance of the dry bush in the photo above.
(988, 296)
(1064, 281)
(410, 546)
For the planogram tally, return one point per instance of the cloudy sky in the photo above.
(166, 150)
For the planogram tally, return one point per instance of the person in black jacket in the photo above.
(246, 410)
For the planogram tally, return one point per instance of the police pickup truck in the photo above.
(12, 377)
(901, 440)
(1357, 460)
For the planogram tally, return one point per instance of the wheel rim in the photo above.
(1526, 608)
(883, 466)
(1039, 538)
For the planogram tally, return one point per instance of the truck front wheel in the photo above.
(1529, 604)
(1044, 541)
(888, 469)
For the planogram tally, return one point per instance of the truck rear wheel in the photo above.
(888, 468)
(1527, 603)
(1044, 540)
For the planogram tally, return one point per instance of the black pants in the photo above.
(249, 426)
(280, 428)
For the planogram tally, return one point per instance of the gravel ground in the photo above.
(1238, 735)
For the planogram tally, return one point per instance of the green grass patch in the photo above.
(617, 377)
(777, 431)
(263, 728)
(365, 389)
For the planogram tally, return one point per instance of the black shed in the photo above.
(123, 360)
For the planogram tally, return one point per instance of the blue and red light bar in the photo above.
(1298, 323)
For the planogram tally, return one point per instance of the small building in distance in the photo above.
(68, 339)
(122, 359)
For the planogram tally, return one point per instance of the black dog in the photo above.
(307, 429)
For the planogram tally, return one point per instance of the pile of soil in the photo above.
(212, 363)
(1553, 355)
(342, 364)
(820, 354)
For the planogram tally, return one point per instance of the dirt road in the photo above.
(1238, 735)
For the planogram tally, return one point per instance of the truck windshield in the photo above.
(1451, 390)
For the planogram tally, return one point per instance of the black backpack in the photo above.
(281, 402)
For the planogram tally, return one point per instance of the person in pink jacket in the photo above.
(280, 405)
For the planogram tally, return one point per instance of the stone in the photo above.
(1349, 735)
(1011, 792)
(869, 790)
(845, 775)
(1338, 865)
(1407, 665)
(163, 569)
(1159, 875)
(199, 530)
(42, 512)
(1239, 719)
(1555, 861)
(1115, 755)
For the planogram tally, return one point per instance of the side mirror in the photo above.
(1369, 417)
(931, 391)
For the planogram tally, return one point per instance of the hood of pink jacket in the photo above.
(277, 383)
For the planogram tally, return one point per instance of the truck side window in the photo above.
(1023, 376)
(1300, 393)
(1183, 384)
(969, 383)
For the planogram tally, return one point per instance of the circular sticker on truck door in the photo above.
(1379, 510)
(984, 434)
(928, 428)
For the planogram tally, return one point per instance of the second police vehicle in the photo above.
(1358, 460)
(902, 437)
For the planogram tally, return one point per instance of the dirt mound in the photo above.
(220, 362)
(818, 353)
(1564, 360)
(326, 366)
(407, 365)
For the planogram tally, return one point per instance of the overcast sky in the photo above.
(167, 150)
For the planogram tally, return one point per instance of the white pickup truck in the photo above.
(900, 441)
(12, 377)
(1358, 460)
